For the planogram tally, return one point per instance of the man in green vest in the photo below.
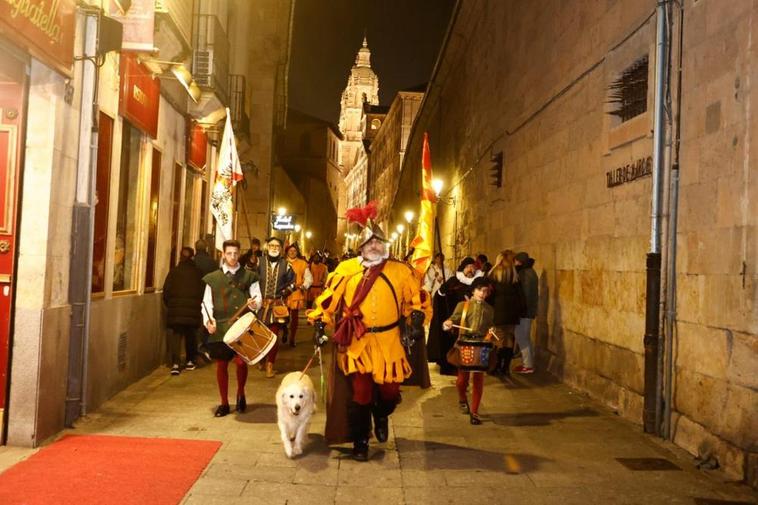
(227, 289)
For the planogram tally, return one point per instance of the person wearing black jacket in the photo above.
(507, 298)
(182, 294)
(454, 290)
(530, 286)
(204, 262)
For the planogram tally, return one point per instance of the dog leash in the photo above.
(316, 351)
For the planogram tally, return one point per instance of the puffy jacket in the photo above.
(530, 285)
(183, 294)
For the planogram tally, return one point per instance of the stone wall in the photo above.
(533, 83)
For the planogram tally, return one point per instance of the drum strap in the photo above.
(463, 318)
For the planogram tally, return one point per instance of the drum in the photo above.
(250, 338)
(475, 355)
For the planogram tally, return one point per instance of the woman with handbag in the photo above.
(471, 352)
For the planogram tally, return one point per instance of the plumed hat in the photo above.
(364, 217)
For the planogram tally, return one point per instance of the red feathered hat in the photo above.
(364, 216)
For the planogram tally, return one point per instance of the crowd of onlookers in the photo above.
(510, 288)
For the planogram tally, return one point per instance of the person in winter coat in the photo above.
(454, 290)
(507, 299)
(202, 259)
(182, 294)
(530, 286)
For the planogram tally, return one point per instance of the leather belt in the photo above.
(380, 329)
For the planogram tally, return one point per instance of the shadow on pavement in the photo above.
(538, 418)
(259, 413)
(423, 455)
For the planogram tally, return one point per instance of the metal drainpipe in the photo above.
(653, 291)
(83, 217)
(672, 245)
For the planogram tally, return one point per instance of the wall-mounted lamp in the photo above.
(180, 73)
(308, 235)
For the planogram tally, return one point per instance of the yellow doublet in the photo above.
(380, 354)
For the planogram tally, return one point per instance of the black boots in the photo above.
(381, 411)
(241, 404)
(504, 357)
(359, 419)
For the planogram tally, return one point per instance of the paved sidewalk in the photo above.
(541, 443)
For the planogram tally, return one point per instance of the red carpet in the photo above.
(93, 469)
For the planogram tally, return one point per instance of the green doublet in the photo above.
(229, 294)
(479, 318)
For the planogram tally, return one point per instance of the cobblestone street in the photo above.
(541, 443)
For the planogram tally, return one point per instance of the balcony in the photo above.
(210, 62)
(240, 119)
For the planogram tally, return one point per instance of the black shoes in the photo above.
(463, 407)
(475, 420)
(241, 404)
(360, 450)
(381, 428)
(221, 411)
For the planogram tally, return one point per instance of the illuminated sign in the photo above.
(45, 28)
(284, 223)
(139, 97)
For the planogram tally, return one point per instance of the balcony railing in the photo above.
(240, 119)
(210, 63)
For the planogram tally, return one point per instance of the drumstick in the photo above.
(462, 328)
(207, 314)
(239, 311)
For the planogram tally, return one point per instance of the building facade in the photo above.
(309, 153)
(570, 110)
(362, 88)
(387, 151)
(108, 160)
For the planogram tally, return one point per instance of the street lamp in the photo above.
(281, 211)
(308, 235)
(437, 185)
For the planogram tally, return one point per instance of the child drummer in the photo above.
(474, 319)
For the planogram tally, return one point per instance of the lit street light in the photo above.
(437, 185)
(282, 211)
(308, 235)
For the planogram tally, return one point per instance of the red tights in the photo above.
(222, 376)
(294, 313)
(462, 385)
(363, 389)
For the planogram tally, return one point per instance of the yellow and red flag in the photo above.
(423, 244)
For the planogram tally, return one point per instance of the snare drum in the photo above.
(475, 355)
(250, 338)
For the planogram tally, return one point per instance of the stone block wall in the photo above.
(533, 82)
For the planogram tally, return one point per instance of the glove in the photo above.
(319, 333)
(415, 331)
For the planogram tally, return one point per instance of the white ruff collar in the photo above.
(468, 280)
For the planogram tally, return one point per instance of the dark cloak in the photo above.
(440, 341)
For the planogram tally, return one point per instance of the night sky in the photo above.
(404, 37)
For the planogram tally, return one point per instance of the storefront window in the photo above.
(123, 258)
(152, 230)
(102, 193)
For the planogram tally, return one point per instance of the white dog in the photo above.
(295, 404)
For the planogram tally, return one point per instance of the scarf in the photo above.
(351, 324)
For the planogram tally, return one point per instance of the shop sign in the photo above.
(628, 173)
(197, 147)
(139, 96)
(138, 20)
(44, 27)
(284, 223)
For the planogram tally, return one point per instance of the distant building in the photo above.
(309, 154)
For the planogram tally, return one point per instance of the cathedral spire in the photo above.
(363, 58)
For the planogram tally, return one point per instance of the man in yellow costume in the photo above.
(377, 308)
(303, 281)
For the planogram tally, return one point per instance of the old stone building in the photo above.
(387, 149)
(309, 153)
(362, 88)
(529, 83)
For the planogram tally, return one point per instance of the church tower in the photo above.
(362, 86)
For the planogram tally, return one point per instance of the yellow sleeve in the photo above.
(334, 290)
(415, 297)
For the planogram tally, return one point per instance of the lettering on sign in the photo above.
(284, 223)
(44, 19)
(630, 172)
